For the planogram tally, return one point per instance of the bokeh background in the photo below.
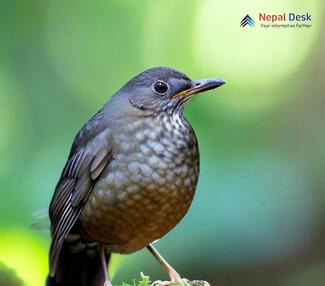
(258, 216)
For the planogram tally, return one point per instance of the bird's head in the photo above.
(164, 90)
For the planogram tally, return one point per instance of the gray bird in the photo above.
(130, 178)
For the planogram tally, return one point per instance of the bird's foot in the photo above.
(183, 281)
(180, 281)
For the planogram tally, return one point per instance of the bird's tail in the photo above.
(81, 268)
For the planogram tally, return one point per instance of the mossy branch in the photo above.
(145, 281)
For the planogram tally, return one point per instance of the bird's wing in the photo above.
(82, 169)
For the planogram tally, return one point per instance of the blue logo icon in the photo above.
(247, 20)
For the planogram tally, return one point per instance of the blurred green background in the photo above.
(258, 215)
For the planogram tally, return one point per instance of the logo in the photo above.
(247, 20)
(278, 21)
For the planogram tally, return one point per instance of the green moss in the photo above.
(144, 281)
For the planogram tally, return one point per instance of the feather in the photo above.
(77, 180)
(99, 163)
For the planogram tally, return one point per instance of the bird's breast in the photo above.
(148, 186)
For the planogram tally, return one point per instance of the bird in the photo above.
(129, 179)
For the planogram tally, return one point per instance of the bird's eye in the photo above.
(160, 87)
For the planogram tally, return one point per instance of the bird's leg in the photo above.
(172, 273)
(102, 254)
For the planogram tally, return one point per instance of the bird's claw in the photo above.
(182, 281)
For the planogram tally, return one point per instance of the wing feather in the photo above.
(83, 186)
(61, 197)
(99, 163)
(77, 180)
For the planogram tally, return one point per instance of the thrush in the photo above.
(129, 179)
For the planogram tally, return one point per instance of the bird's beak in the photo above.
(200, 86)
